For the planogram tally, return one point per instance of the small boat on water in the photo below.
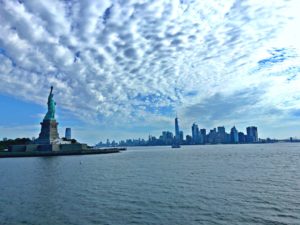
(176, 146)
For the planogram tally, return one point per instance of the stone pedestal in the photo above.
(48, 132)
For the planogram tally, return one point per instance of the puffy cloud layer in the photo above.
(135, 60)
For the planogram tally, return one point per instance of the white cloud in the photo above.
(122, 61)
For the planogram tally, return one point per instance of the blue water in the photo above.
(221, 184)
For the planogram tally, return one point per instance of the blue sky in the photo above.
(124, 69)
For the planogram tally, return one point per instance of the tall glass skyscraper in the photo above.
(195, 134)
(68, 133)
(234, 135)
(177, 132)
(252, 135)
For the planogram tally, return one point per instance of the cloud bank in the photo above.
(139, 61)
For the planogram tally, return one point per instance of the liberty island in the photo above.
(49, 143)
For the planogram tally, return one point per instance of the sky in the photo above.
(125, 68)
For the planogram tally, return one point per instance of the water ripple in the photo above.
(239, 184)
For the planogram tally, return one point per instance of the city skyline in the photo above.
(186, 130)
(198, 136)
(125, 69)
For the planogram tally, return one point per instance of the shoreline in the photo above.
(6, 154)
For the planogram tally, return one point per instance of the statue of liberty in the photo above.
(51, 107)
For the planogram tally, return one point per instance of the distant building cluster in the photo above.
(220, 136)
(198, 137)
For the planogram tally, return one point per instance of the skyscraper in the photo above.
(212, 136)
(242, 137)
(234, 135)
(203, 135)
(221, 130)
(252, 135)
(222, 136)
(195, 133)
(181, 136)
(177, 133)
(68, 134)
(188, 139)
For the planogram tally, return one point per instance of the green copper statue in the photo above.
(51, 107)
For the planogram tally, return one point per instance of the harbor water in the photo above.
(211, 184)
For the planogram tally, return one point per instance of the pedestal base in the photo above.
(48, 132)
